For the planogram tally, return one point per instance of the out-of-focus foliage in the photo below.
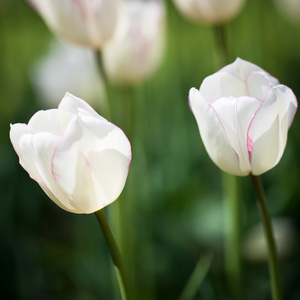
(173, 195)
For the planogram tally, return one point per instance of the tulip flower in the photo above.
(209, 11)
(135, 54)
(84, 22)
(78, 158)
(290, 9)
(243, 115)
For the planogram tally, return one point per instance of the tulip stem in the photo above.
(267, 225)
(99, 61)
(222, 46)
(232, 234)
(115, 254)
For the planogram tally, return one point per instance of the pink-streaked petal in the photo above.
(259, 84)
(83, 149)
(235, 114)
(52, 121)
(214, 136)
(268, 130)
(36, 151)
(222, 84)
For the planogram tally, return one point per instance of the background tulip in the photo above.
(209, 11)
(78, 158)
(243, 114)
(85, 22)
(290, 9)
(137, 52)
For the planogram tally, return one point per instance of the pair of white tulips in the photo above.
(81, 160)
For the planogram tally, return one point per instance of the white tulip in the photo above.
(290, 9)
(209, 11)
(243, 115)
(135, 54)
(78, 158)
(84, 22)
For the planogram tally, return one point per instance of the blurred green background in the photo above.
(173, 195)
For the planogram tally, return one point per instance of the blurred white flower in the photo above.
(209, 11)
(79, 159)
(66, 67)
(135, 54)
(84, 22)
(255, 247)
(290, 9)
(243, 115)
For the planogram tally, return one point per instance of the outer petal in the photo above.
(73, 104)
(267, 133)
(52, 121)
(15, 133)
(235, 114)
(213, 135)
(222, 84)
(97, 156)
(35, 154)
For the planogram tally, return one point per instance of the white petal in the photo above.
(65, 18)
(241, 69)
(259, 84)
(84, 22)
(36, 151)
(52, 121)
(213, 135)
(15, 133)
(267, 134)
(73, 104)
(235, 114)
(81, 151)
(222, 84)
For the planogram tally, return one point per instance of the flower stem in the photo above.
(222, 46)
(99, 62)
(232, 234)
(266, 221)
(115, 254)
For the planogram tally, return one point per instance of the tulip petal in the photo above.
(259, 84)
(88, 149)
(35, 157)
(268, 130)
(213, 135)
(222, 84)
(73, 104)
(85, 22)
(15, 133)
(52, 121)
(235, 114)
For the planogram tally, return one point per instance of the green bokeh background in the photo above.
(172, 201)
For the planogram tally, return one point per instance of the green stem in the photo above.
(115, 254)
(222, 46)
(267, 225)
(232, 234)
(99, 61)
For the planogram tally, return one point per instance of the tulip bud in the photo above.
(209, 11)
(135, 54)
(243, 115)
(79, 159)
(85, 22)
